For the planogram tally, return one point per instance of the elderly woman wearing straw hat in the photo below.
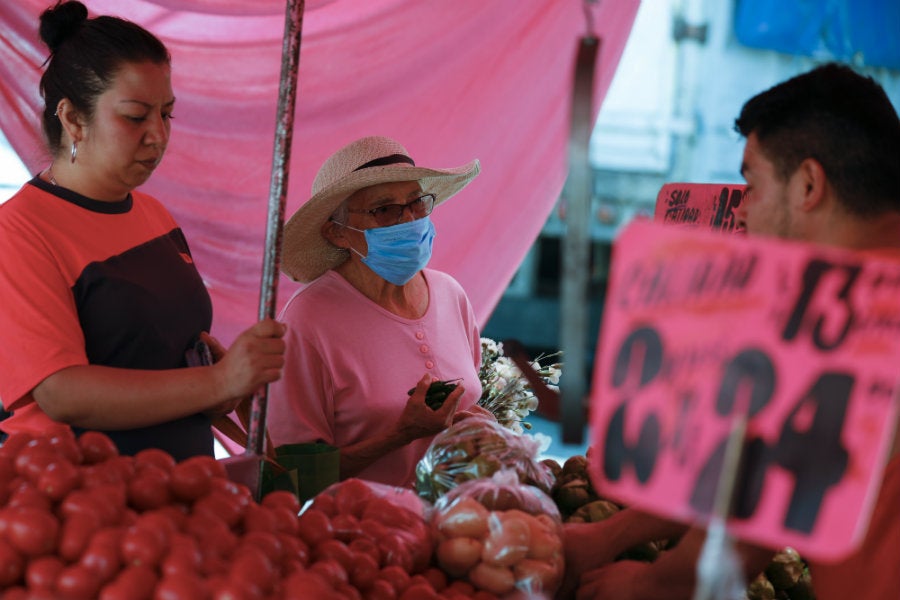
(372, 322)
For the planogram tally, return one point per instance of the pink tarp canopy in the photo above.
(452, 80)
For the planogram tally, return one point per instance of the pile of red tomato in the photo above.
(78, 521)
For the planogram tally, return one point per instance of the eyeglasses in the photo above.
(390, 214)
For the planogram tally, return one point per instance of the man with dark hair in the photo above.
(821, 161)
(843, 125)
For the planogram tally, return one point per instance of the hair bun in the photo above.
(60, 21)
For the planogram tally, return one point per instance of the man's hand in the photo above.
(587, 547)
(616, 581)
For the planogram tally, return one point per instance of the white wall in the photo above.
(12, 172)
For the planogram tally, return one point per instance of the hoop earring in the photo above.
(74, 152)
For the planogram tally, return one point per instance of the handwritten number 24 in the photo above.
(808, 445)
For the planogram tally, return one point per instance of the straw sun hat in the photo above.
(365, 162)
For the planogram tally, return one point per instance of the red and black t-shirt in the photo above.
(89, 282)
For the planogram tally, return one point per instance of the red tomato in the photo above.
(213, 565)
(259, 518)
(381, 589)
(5, 514)
(219, 542)
(184, 555)
(223, 506)
(324, 503)
(7, 470)
(180, 587)
(24, 493)
(266, 541)
(391, 515)
(63, 441)
(81, 504)
(164, 522)
(461, 587)
(142, 546)
(75, 534)
(331, 570)
(102, 555)
(419, 591)
(346, 527)
(34, 458)
(58, 479)
(122, 465)
(42, 573)
(11, 565)
(32, 531)
(366, 546)
(191, 479)
(176, 513)
(214, 469)
(250, 564)
(77, 582)
(435, 577)
(132, 583)
(107, 537)
(396, 576)
(363, 570)
(352, 496)
(285, 520)
(308, 584)
(203, 526)
(240, 491)
(313, 526)
(14, 444)
(229, 589)
(94, 475)
(155, 457)
(149, 489)
(396, 551)
(113, 499)
(289, 566)
(334, 549)
(283, 499)
(372, 529)
(293, 548)
(420, 541)
(96, 447)
(348, 592)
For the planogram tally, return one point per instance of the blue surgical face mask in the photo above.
(398, 252)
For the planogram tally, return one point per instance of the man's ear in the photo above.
(814, 181)
(71, 120)
(334, 233)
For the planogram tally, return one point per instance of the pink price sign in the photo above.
(712, 205)
(804, 340)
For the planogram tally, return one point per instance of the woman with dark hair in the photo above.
(101, 305)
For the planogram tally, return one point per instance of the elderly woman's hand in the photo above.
(474, 411)
(419, 420)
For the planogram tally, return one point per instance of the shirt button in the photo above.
(423, 349)
(429, 364)
(420, 335)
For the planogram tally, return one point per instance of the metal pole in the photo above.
(576, 247)
(281, 159)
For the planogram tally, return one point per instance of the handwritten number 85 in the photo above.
(809, 444)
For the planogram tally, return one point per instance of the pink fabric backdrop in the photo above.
(452, 80)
